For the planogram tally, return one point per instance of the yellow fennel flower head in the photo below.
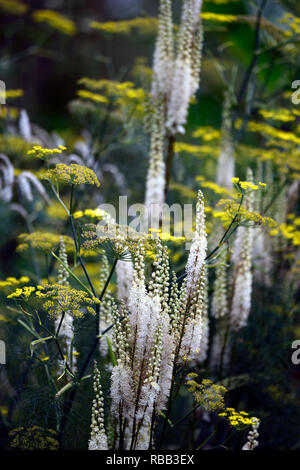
(12, 281)
(283, 115)
(22, 293)
(33, 438)
(92, 213)
(57, 298)
(196, 150)
(207, 133)
(123, 94)
(89, 95)
(71, 174)
(206, 394)
(15, 7)
(155, 234)
(11, 94)
(55, 20)
(209, 16)
(45, 153)
(141, 25)
(247, 185)
(44, 241)
(237, 419)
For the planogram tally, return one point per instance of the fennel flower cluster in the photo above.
(55, 20)
(207, 394)
(58, 298)
(16, 7)
(44, 241)
(238, 419)
(12, 281)
(71, 174)
(44, 153)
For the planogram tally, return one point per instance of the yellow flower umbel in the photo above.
(73, 174)
(209, 16)
(22, 293)
(246, 184)
(141, 25)
(11, 94)
(207, 394)
(44, 241)
(57, 299)
(15, 7)
(239, 420)
(55, 20)
(33, 438)
(12, 281)
(45, 153)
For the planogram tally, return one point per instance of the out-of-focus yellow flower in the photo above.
(11, 94)
(207, 133)
(56, 211)
(92, 96)
(196, 150)
(218, 17)
(12, 281)
(44, 241)
(15, 7)
(141, 25)
(55, 20)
